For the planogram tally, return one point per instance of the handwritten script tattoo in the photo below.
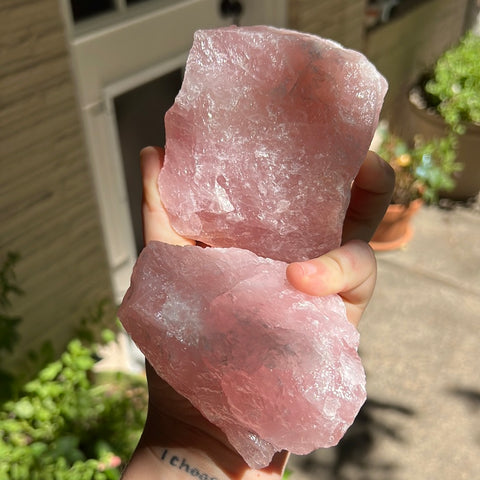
(181, 464)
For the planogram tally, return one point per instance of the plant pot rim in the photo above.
(394, 244)
(414, 204)
(398, 211)
(471, 128)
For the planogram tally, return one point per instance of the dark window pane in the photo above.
(82, 9)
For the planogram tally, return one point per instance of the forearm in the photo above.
(174, 451)
(171, 463)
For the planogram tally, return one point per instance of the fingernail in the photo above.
(145, 151)
(307, 268)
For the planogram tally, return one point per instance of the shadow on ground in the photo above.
(469, 396)
(471, 400)
(351, 459)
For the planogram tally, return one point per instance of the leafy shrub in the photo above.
(455, 84)
(435, 166)
(67, 422)
(8, 323)
(64, 426)
(421, 171)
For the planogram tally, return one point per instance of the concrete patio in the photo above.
(420, 345)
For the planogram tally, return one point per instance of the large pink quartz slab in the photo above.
(264, 139)
(274, 368)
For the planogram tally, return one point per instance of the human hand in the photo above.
(173, 425)
(351, 270)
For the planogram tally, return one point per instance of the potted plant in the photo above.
(447, 102)
(422, 171)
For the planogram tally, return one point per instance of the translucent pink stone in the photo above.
(273, 368)
(263, 142)
(265, 138)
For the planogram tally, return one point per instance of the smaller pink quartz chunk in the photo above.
(273, 368)
(264, 139)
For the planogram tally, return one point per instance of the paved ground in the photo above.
(421, 347)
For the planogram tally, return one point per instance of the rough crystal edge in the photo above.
(256, 458)
(202, 35)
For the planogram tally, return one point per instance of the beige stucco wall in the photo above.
(340, 20)
(48, 212)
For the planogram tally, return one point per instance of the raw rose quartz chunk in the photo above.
(272, 367)
(265, 138)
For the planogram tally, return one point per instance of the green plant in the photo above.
(8, 286)
(421, 171)
(66, 426)
(435, 166)
(67, 422)
(33, 360)
(9, 323)
(454, 86)
(287, 474)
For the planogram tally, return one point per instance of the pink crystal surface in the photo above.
(274, 368)
(263, 142)
(264, 139)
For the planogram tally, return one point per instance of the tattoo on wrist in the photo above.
(181, 463)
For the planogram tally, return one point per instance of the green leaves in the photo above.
(23, 409)
(436, 165)
(8, 283)
(64, 426)
(456, 83)
(9, 335)
(287, 474)
(422, 171)
(8, 287)
(50, 372)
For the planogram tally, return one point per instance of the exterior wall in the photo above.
(48, 210)
(340, 20)
(404, 48)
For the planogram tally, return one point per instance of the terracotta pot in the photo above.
(395, 229)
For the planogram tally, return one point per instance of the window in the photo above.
(83, 9)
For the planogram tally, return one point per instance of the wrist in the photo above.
(171, 463)
(172, 450)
